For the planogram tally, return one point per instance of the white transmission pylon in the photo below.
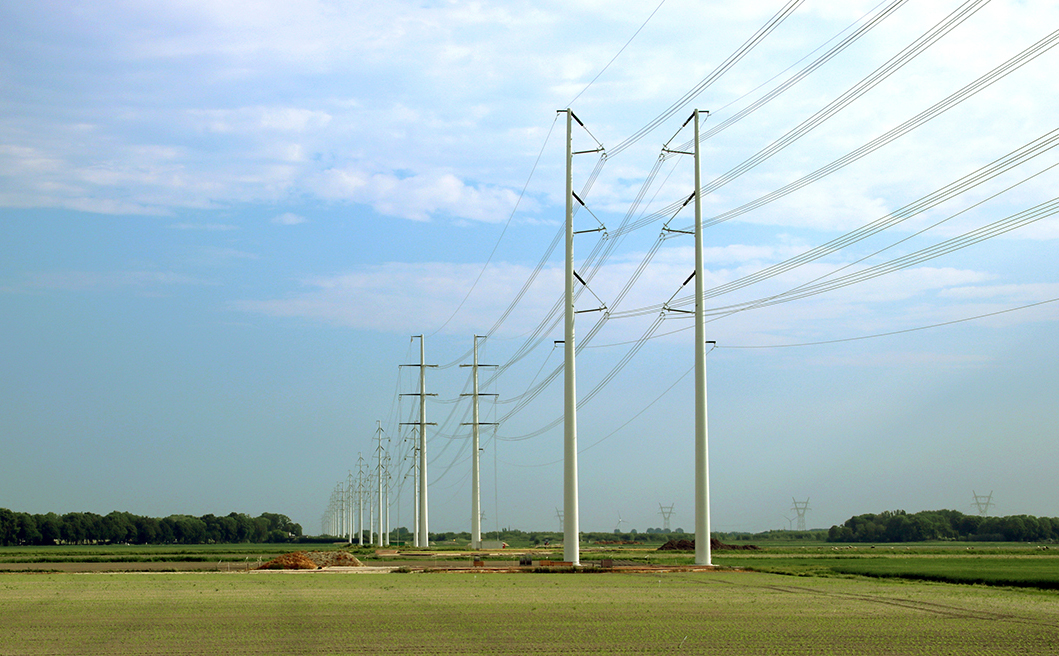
(983, 502)
(666, 512)
(800, 507)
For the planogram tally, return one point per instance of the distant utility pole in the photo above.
(387, 486)
(360, 499)
(380, 456)
(800, 507)
(983, 502)
(349, 504)
(476, 487)
(415, 484)
(422, 537)
(666, 512)
(559, 514)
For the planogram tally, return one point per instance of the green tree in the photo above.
(50, 527)
(26, 529)
(8, 527)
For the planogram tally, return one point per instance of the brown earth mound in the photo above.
(313, 560)
(296, 560)
(715, 545)
(335, 559)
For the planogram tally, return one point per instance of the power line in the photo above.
(723, 68)
(892, 332)
(615, 57)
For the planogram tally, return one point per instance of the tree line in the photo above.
(19, 528)
(899, 526)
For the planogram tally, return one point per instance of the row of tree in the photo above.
(899, 526)
(19, 528)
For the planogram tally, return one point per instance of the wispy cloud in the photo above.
(102, 280)
(208, 227)
(289, 219)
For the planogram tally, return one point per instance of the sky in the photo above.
(223, 225)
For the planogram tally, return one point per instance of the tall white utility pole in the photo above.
(379, 454)
(476, 487)
(349, 504)
(360, 499)
(423, 530)
(702, 460)
(415, 487)
(386, 486)
(371, 507)
(571, 529)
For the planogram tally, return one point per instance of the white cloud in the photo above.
(418, 197)
(289, 219)
(405, 297)
(208, 227)
(102, 280)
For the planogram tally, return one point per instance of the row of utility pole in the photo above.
(339, 519)
(571, 530)
(345, 514)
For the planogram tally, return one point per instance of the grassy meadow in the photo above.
(437, 613)
(812, 600)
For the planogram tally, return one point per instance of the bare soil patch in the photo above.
(313, 560)
(715, 545)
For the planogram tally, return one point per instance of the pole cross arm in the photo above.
(666, 308)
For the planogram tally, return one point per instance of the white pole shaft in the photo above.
(476, 492)
(379, 538)
(388, 503)
(415, 492)
(571, 530)
(424, 530)
(360, 500)
(702, 461)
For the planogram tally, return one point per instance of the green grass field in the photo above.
(445, 613)
(982, 563)
(801, 599)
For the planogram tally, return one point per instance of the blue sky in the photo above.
(221, 223)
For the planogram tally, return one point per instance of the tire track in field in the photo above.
(935, 608)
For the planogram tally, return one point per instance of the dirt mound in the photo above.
(715, 545)
(313, 560)
(296, 560)
(334, 559)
